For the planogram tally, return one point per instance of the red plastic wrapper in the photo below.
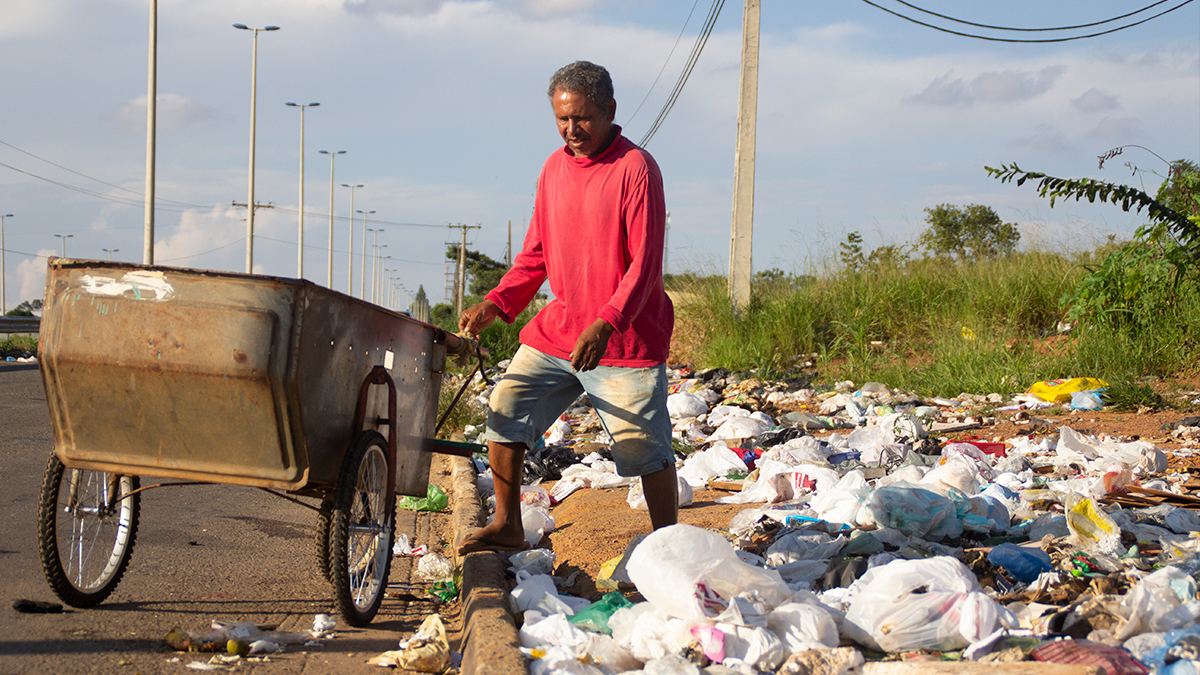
(1113, 660)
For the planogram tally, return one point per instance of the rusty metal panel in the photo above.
(350, 337)
(226, 377)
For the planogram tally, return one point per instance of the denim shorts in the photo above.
(630, 402)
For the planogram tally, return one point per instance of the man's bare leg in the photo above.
(505, 530)
(662, 496)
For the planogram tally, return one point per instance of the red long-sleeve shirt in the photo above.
(597, 234)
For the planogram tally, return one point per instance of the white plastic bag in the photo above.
(434, 567)
(685, 404)
(649, 633)
(533, 561)
(914, 511)
(803, 626)
(693, 573)
(637, 497)
(536, 521)
(537, 591)
(841, 503)
(803, 545)
(739, 427)
(932, 603)
(756, 646)
(714, 462)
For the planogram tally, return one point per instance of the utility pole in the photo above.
(508, 256)
(460, 275)
(250, 216)
(666, 243)
(742, 237)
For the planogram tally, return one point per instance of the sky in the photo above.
(864, 121)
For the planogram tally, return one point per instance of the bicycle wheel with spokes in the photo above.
(362, 530)
(87, 524)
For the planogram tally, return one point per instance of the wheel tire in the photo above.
(362, 530)
(324, 523)
(86, 530)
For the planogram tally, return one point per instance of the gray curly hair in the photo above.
(593, 80)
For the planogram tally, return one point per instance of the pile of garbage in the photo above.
(873, 540)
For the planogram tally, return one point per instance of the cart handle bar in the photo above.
(461, 345)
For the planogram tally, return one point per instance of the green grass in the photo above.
(17, 345)
(937, 327)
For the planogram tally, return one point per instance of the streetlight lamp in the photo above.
(300, 251)
(332, 156)
(3, 289)
(64, 238)
(350, 267)
(253, 107)
(110, 251)
(363, 272)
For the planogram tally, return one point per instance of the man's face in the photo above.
(581, 123)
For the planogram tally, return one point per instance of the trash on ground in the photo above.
(427, 651)
(889, 534)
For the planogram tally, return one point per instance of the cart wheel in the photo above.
(362, 530)
(86, 529)
(324, 522)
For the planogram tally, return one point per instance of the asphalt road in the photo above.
(203, 553)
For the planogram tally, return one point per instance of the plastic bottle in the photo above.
(1025, 564)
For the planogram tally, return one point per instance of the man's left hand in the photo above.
(590, 346)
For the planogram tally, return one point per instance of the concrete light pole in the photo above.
(332, 156)
(374, 256)
(363, 272)
(350, 266)
(3, 273)
(300, 250)
(362, 281)
(151, 132)
(253, 109)
(378, 281)
(64, 238)
(110, 251)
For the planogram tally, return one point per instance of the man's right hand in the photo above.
(474, 319)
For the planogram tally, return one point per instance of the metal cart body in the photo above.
(229, 378)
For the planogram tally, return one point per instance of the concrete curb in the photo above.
(490, 645)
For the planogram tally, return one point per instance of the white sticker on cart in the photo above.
(388, 359)
(142, 285)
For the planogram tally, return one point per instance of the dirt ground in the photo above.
(594, 526)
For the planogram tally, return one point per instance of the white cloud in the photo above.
(996, 88)
(1096, 100)
(1122, 130)
(31, 275)
(393, 7)
(204, 237)
(24, 17)
(172, 112)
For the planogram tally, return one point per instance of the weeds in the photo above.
(18, 346)
(941, 327)
(1129, 397)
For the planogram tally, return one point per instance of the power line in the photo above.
(701, 40)
(1082, 25)
(82, 175)
(181, 207)
(668, 61)
(997, 39)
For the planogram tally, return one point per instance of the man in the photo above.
(597, 234)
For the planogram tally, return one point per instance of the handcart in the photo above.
(218, 377)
